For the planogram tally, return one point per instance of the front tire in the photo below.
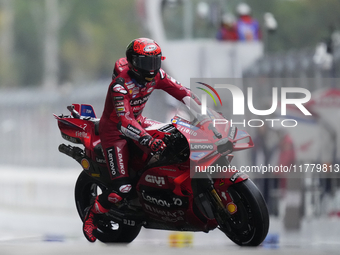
(249, 225)
(86, 190)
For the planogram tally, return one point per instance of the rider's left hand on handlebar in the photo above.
(157, 145)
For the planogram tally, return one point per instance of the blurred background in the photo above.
(57, 52)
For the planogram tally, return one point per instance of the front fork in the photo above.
(217, 199)
(221, 205)
(206, 186)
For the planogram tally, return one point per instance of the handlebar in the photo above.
(176, 148)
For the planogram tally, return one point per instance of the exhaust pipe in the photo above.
(71, 151)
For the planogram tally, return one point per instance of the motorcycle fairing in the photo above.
(222, 185)
(165, 194)
(164, 178)
(76, 128)
(166, 197)
(81, 131)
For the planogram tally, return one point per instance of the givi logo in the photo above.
(155, 179)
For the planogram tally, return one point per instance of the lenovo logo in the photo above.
(201, 146)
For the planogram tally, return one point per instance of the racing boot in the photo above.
(90, 226)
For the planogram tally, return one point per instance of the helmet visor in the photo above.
(147, 63)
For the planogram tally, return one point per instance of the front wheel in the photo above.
(248, 226)
(86, 190)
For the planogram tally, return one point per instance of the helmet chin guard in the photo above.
(139, 77)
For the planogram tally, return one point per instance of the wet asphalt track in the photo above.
(36, 248)
(41, 233)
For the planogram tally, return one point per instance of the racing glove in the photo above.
(156, 145)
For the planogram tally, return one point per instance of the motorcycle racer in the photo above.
(122, 118)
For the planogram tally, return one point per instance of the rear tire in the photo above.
(249, 225)
(86, 190)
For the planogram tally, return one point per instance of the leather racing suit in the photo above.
(122, 115)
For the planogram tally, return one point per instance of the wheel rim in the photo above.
(240, 226)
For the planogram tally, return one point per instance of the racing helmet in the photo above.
(144, 56)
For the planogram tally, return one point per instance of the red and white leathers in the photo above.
(121, 117)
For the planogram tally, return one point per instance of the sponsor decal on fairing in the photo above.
(187, 130)
(100, 160)
(201, 146)
(198, 155)
(158, 180)
(153, 200)
(85, 164)
(237, 175)
(232, 132)
(171, 216)
(81, 134)
(167, 129)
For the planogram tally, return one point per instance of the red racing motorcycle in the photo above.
(182, 189)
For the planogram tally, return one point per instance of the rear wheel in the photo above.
(86, 190)
(248, 226)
